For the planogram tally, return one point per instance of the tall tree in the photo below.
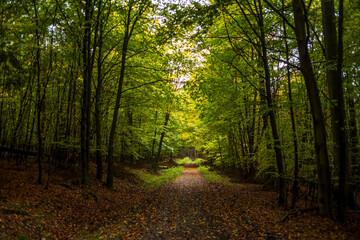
(294, 189)
(269, 100)
(333, 56)
(39, 97)
(323, 169)
(134, 11)
(86, 94)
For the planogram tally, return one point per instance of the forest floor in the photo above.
(187, 208)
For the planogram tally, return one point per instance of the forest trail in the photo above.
(187, 208)
(191, 208)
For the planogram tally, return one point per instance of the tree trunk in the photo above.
(39, 99)
(353, 143)
(271, 111)
(86, 96)
(129, 27)
(337, 106)
(154, 140)
(157, 159)
(99, 89)
(323, 169)
(294, 188)
(110, 156)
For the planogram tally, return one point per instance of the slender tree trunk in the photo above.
(70, 104)
(294, 189)
(86, 96)
(271, 111)
(130, 24)
(349, 194)
(153, 141)
(99, 88)
(110, 156)
(39, 99)
(323, 169)
(157, 159)
(220, 151)
(354, 139)
(129, 114)
(251, 137)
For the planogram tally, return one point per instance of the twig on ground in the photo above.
(295, 211)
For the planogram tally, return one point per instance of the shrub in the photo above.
(199, 161)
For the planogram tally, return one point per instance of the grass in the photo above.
(197, 162)
(212, 176)
(156, 181)
(182, 161)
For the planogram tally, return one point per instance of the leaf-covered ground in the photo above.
(191, 208)
(188, 208)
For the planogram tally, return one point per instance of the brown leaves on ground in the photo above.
(188, 208)
(63, 210)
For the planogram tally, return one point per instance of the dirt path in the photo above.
(191, 208)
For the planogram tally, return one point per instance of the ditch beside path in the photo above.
(191, 208)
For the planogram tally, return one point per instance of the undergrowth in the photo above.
(199, 161)
(182, 161)
(155, 181)
(212, 176)
(187, 160)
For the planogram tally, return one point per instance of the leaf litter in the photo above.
(187, 208)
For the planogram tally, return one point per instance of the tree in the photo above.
(86, 94)
(132, 16)
(323, 169)
(333, 54)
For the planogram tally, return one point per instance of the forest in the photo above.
(118, 115)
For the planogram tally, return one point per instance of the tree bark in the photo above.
(337, 105)
(110, 156)
(99, 89)
(86, 96)
(323, 169)
(39, 99)
(130, 24)
(154, 140)
(271, 111)
(157, 159)
(354, 140)
(294, 188)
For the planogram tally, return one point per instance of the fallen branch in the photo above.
(295, 211)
